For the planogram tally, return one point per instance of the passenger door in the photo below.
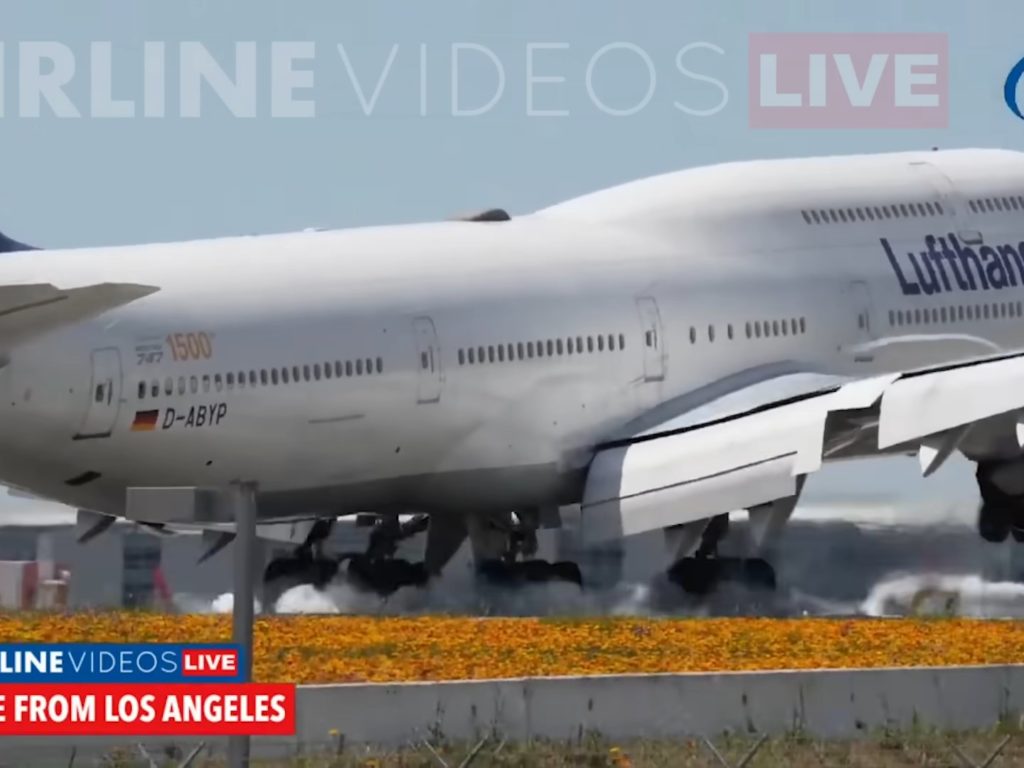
(104, 395)
(651, 339)
(429, 376)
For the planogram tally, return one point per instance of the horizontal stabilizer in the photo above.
(29, 311)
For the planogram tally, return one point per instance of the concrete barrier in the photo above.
(822, 703)
(828, 704)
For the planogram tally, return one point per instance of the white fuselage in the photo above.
(649, 293)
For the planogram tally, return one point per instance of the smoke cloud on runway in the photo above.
(869, 560)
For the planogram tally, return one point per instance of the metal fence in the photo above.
(1000, 746)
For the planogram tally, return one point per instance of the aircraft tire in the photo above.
(993, 523)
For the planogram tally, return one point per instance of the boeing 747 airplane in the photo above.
(664, 353)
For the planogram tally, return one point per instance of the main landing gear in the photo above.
(376, 571)
(700, 573)
(1001, 513)
(504, 546)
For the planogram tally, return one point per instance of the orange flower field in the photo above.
(326, 649)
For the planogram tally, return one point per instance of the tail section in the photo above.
(11, 246)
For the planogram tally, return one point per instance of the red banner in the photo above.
(172, 709)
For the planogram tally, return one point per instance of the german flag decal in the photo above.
(145, 421)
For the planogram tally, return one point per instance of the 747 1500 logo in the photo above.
(849, 80)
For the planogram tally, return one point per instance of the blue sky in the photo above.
(90, 181)
(69, 182)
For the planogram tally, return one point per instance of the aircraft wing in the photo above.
(751, 446)
(31, 310)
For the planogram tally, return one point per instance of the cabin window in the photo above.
(181, 385)
(231, 381)
(284, 376)
(142, 391)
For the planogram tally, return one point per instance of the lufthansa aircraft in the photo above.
(664, 353)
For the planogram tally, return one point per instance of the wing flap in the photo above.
(713, 459)
(917, 406)
(691, 475)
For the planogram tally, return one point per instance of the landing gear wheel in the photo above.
(759, 574)
(302, 567)
(700, 575)
(696, 575)
(386, 576)
(994, 523)
(518, 572)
